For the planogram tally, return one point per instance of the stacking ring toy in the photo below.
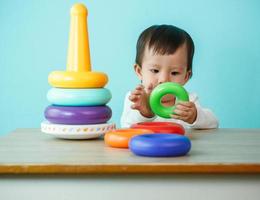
(79, 97)
(160, 145)
(70, 79)
(119, 138)
(166, 88)
(78, 115)
(76, 131)
(161, 127)
(78, 73)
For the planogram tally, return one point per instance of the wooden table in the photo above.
(222, 164)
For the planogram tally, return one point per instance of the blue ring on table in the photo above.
(160, 145)
(79, 97)
(76, 115)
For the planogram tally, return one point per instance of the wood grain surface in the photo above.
(29, 151)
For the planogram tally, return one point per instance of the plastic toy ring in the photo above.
(120, 138)
(70, 79)
(79, 97)
(78, 73)
(78, 115)
(66, 131)
(166, 88)
(160, 145)
(161, 127)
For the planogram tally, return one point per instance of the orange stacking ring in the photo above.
(119, 138)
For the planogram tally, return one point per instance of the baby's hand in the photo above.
(140, 99)
(185, 111)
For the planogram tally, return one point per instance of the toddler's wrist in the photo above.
(147, 113)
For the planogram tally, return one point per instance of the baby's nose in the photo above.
(164, 79)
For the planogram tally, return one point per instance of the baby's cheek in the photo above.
(146, 84)
(179, 79)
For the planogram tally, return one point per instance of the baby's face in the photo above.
(158, 68)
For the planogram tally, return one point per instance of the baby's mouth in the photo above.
(168, 100)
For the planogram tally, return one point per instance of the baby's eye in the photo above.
(175, 73)
(154, 71)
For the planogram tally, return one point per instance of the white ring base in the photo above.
(76, 132)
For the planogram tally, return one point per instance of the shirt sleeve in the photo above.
(130, 116)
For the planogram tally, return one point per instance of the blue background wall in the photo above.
(34, 40)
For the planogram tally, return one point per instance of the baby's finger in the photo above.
(185, 103)
(136, 92)
(139, 87)
(182, 107)
(135, 106)
(179, 117)
(181, 112)
(176, 116)
(134, 97)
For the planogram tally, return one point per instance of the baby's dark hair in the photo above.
(165, 40)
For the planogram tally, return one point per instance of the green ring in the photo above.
(166, 88)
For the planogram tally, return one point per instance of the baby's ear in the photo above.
(188, 76)
(138, 71)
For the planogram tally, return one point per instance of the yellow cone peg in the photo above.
(78, 73)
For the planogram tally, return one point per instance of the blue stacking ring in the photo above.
(160, 145)
(79, 97)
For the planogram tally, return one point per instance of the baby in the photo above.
(164, 54)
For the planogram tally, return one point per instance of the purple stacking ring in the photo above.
(78, 114)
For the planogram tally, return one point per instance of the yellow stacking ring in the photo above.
(69, 79)
(78, 73)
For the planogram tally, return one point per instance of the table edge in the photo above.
(132, 169)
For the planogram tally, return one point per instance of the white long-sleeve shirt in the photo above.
(205, 117)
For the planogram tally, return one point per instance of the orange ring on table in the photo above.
(120, 138)
(71, 79)
(161, 127)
